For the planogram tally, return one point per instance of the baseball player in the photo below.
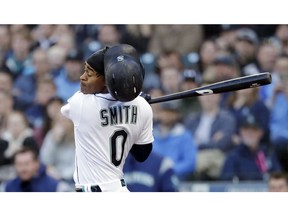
(109, 126)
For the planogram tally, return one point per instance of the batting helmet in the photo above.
(124, 73)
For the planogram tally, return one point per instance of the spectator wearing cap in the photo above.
(225, 67)
(173, 140)
(246, 102)
(245, 46)
(25, 86)
(68, 80)
(190, 80)
(250, 160)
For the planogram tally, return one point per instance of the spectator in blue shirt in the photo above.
(31, 175)
(279, 120)
(25, 85)
(18, 60)
(156, 174)
(173, 140)
(68, 80)
(250, 160)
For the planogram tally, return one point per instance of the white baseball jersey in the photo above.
(105, 130)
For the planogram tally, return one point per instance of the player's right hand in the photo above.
(146, 96)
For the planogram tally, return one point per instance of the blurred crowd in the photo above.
(236, 136)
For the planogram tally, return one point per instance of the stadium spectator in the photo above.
(212, 128)
(156, 174)
(85, 36)
(25, 85)
(43, 36)
(67, 41)
(31, 175)
(17, 134)
(183, 38)
(45, 90)
(109, 35)
(68, 80)
(280, 38)
(58, 150)
(190, 80)
(246, 46)
(265, 60)
(6, 81)
(246, 102)
(225, 67)
(5, 43)
(173, 140)
(250, 160)
(280, 71)
(207, 54)
(56, 59)
(18, 60)
(278, 182)
(170, 79)
(279, 120)
(169, 59)
(137, 36)
(6, 107)
(227, 37)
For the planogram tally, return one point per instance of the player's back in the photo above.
(105, 130)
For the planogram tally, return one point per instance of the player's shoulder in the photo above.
(141, 101)
(76, 94)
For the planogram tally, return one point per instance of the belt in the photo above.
(95, 188)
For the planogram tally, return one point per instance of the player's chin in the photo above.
(84, 90)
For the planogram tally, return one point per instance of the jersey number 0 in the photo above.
(120, 134)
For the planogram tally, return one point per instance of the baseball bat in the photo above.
(250, 81)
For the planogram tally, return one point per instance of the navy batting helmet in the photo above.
(124, 73)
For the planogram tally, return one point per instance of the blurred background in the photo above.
(235, 141)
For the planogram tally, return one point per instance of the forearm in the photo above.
(141, 152)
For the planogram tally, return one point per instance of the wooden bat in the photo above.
(250, 81)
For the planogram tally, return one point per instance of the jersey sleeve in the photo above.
(65, 110)
(146, 134)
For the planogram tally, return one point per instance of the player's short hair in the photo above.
(96, 60)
